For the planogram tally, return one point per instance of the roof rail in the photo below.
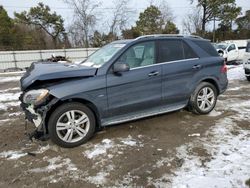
(195, 36)
(167, 35)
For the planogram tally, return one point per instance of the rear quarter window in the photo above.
(188, 52)
(207, 47)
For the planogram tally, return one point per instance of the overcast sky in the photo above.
(179, 7)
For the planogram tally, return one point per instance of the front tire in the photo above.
(71, 125)
(203, 99)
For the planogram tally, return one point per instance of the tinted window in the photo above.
(141, 54)
(170, 50)
(188, 52)
(207, 47)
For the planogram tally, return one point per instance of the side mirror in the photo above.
(120, 67)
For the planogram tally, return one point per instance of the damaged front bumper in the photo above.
(37, 114)
(36, 118)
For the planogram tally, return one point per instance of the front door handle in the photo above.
(197, 67)
(154, 73)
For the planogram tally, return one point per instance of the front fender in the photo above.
(91, 89)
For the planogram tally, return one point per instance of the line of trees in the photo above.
(231, 24)
(40, 28)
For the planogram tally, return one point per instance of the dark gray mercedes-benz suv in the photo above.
(122, 81)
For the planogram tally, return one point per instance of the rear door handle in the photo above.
(154, 73)
(197, 67)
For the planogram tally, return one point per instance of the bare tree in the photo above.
(85, 19)
(120, 16)
(192, 22)
(166, 11)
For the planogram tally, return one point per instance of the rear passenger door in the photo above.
(179, 64)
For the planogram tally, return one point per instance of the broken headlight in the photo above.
(35, 97)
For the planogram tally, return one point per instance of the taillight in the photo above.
(223, 68)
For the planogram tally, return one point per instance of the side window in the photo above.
(188, 52)
(231, 47)
(207, 47)
(139, 55)
(170, 50)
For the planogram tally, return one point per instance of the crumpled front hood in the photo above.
(42, 71)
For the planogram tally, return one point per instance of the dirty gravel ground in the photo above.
(177, 149)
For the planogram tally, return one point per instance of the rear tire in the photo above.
(203, 99)
(248, 78)
(71, 125)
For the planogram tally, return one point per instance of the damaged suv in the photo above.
(123, 81)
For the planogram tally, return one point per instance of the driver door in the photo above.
(139, 88)
(232, 53)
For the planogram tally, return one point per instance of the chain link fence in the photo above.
(23, 59)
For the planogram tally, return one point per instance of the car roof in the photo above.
(159, 36)
(169, 36)
(125, 41)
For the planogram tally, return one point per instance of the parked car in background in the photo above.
(221, 49)
(230, 52)
(123, 81)
(246, 61)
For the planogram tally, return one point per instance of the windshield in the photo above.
(220, 46)
(103, 55)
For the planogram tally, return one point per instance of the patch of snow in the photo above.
(106, 145)
(56, 163)
(10, 79)
(10, 89)
(99, 149)
(4, 120)
(126, 181)
(234, 89)
(5, 106)
(129, 141)
(162, 162)
(194, 134)
(12, 155)
(98, 179)
(214, 113)
(162, 182)
(236, 73)
(240, 107)
(229, 165)
(5, 97)
(42, 149)
(14, 114)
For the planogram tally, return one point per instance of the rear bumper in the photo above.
(224, 89)
(223, 84)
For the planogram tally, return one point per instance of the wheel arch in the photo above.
(213, 82)
(88, 103)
